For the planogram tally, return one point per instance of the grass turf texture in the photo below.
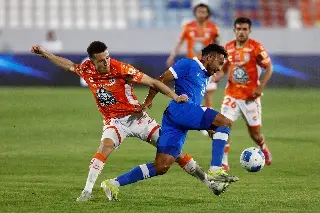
(48, 137)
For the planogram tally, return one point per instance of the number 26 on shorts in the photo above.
(229, 102)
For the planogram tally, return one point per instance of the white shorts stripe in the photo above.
(220, 136)
(173, 73)
(145, 171)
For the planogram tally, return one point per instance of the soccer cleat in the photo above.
(267, 155)
(226, 167)
(220, 175)
(85, 196)
(218, 187)
(110, 190)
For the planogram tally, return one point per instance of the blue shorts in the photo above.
(177, 120)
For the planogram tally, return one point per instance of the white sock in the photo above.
(115, 182)
(95, 169)
(214, 168)
(225, 159)
(195, 170)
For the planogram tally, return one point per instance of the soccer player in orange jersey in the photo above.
(243, 90)
(110, 83)
(198, 34)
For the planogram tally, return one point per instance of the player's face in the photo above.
(214, 62)
(102, 62)
(201, 14)
(242, 31)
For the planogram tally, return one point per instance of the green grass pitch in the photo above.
(48, 136)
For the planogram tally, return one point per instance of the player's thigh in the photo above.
(251, 111)
(230, 108)
(113, 131)
(145, 128)
(190, 116)
(171, 139)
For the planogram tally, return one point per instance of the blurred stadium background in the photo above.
(48, 135)
(143, 32)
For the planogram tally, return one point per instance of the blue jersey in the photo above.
(191, 78)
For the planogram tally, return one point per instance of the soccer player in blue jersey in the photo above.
(191, 77)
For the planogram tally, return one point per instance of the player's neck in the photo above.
(201, 23)
(240, 44)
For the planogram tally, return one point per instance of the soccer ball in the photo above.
(252, 159)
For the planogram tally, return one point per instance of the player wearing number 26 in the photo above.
(243, 90)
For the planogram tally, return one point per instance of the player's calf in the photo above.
(96, 166)
(259, 139)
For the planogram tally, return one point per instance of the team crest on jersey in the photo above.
(112, 81)
(239, 75)
(247, 57)
(105, 97)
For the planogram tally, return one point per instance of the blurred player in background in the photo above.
(110, 84)
(198, 34)
(190, 77)
(243, 90)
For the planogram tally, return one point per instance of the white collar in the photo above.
(199, 63)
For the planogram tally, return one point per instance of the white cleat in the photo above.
(85, 196)
(218, 187)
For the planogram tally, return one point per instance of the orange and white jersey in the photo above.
(242, 66)
(198, 37)
(113, 91)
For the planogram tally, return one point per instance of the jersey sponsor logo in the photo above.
(105, 97)
(239, 75)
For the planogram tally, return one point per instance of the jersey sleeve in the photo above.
(131, 73)
(184, 33)
(80, 69)
(262, 56)
(180, 68)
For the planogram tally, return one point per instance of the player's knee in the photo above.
(106, 146)
(162, 168)
(221, 120)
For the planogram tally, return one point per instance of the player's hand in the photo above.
(144, 106)
(38, 50)
(170, 61)
(181, 98)
(257, 91)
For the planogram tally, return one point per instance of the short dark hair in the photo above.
(96, 47)
(242, 20)
(211, 48)
(202, 5)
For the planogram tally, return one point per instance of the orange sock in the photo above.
(100, 157)
(185, 160)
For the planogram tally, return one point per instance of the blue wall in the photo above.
(26, 69)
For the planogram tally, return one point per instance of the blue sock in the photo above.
(141, 172)
(219, 141)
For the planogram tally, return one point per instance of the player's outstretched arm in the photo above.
(157, 85)
(57, 60)
(174, 53)
(164, 78)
